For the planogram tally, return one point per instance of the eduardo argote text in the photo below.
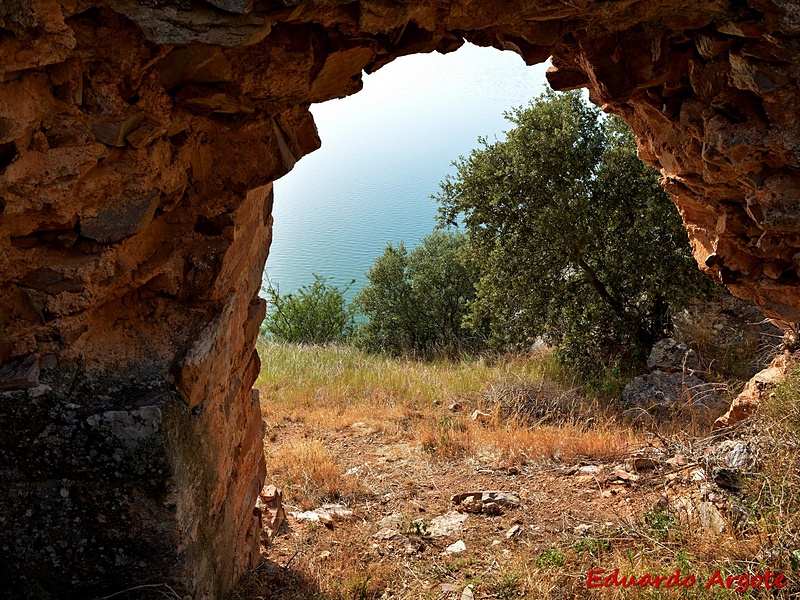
(739, 583)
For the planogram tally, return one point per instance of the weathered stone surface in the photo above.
(164, 291)
(113, 133)
(456, 547)
(660, 393)
(20, 374)
(193, 64)
(755, 391)
(671, 356)
(447, 524)
(736, 454)
(129, 216)
(488, 502)
(695, 513)
(146, 133)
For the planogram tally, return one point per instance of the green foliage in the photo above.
(416, 528)
(592, 546)
(550, 559)
(505, 586)
(572, 236)
(416, 301)
(316, 314)
(659, 523)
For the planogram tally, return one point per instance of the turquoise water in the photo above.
(384, 152)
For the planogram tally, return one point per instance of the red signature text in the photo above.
(739, 583)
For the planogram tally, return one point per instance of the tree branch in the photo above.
(599, 286)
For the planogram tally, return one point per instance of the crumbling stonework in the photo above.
(138, 143)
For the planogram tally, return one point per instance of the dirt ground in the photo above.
(379, 539)
(406, 480)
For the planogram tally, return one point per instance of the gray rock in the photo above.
(501, 498)
(131, 216)
(710, 517)
(113, 133)
(514, 531)
(204, 25)
(448, 524)
(20, 373)
(240, 7)
(387, 534)
(694, 513)
(476, 501)
(392, 521)
(736, 455)
(660, 393)
(130, 426)
(672, 356)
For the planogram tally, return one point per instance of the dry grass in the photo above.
(309, 474)
(336, 386)
(332, 409)
(569, 444)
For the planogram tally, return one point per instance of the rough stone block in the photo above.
(113, 224)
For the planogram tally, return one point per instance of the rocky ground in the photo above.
(413, 527)
(398, 479)
(406, 532)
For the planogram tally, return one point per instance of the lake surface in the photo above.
(384, 152)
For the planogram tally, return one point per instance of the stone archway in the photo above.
(138, 143)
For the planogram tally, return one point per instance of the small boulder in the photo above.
(736, 455)
(472, 504)
(514, 531)
(661, 393)
(447, 524)
(20, 373)
(672, 356)
(476, 502)
(704, 514)
(456, 548)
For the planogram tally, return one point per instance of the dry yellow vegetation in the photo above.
(390, 440)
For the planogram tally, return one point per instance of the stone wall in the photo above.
(138, 143)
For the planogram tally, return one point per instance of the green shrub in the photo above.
(416, 301)
(316, 314)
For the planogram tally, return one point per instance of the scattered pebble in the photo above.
(456, 548)
(515, 530)
(581, 529)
